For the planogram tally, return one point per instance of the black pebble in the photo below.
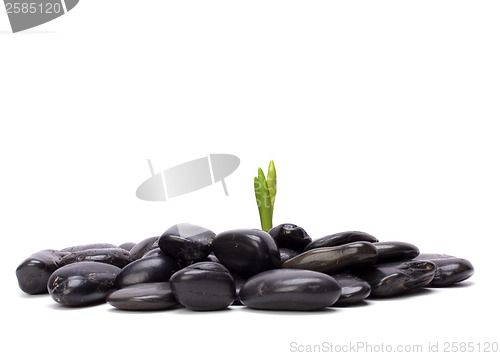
(87, 247)
(340, 238)
(187, 242)
(127, 245)
(143, 247)
(147, 270)
(290, 236)
(114, 256)
(450, 269)
(286, 254)
(354, 289)
(394, 251)
(204, 286)
(82, 283)
(144, 296)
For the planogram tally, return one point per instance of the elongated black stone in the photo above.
(82, 283)
(290, 289)
(143, 247)
(335, 259)
(246, 251)
(394, 251)
(144, 296)
(34, 272)
(114, 256)
(395, 278)
(87, 247)
(147, 270)
(354, 289)
(187, 242)
(449, 269)
(204, 286)
(340, 238)
(290, 236)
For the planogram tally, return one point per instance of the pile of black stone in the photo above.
(193, 267)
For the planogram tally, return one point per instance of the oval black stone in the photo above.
(286, 254)
(449, 269)
(143, 247)
(395, 278)
(82, 283)
(354, 289)
(187, 242)
(246, 251)
(290, 289)
(144, 296)
(147, 270)
(394, 251)
(34, 272)
(340, 238)
(88, 247)
(204, 286)
(335, 259)
(114, 256)
(290, 236)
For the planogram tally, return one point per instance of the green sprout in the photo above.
(265, 194)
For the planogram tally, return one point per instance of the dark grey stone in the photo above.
(340, 238)
(449, 269)
(144, 296)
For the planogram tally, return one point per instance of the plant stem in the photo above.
(263, 201)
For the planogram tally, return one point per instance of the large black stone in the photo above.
(82, 283)
(395, 278)
(449, 269)
(147, 270)
(335, 259)
(204, 286)
(246, 251)
(187, 242)
(290, 236)
(290, 289)
(114, 256)
(143, 247)
(34, 272)
(144, 296)
(354, 289)
(394, 251)
(340, 238)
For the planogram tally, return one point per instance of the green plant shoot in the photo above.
(265, 193)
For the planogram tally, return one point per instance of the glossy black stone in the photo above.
(144, 296)
(147, 270)
(290, 236)
(395, 278)
(87, 247)
(114, 256)
(335, 259)
(286, 254)
(246, 251)
(204, 286)
(34, 272)
(127, 245)
(143, 247)
(354, 289)
(449, 269)
(82, 283)
(394, 251)
(187, 242)
(340, 238)
(290, 289)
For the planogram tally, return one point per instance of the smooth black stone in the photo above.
(286, 254)
(290, 236)
(154, 252)
(340, 238)
(395, 278)
(127, 245)
(144, 296)
(354, 289)
(87, 247)
(395, 251)
(82, 283)
(114, 256)
(335, 259)
(246, 251)
(34, 272)
(290, 289)
(204, 286)
(143, 247)
(187, 242)
(449, 269)
(147, 270)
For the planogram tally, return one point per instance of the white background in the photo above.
(381, 116)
